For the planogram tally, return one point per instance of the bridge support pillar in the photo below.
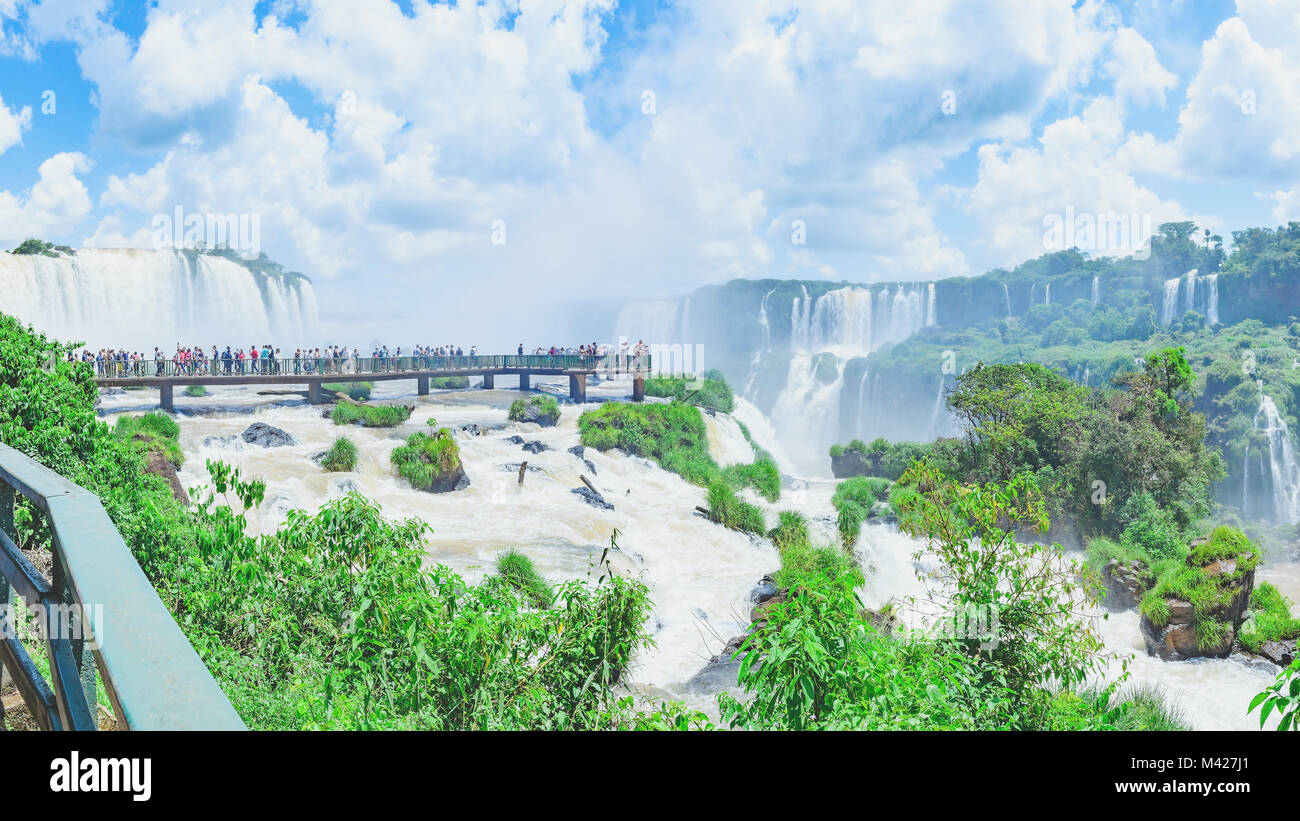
(165, 398)
(489, 381)
(313, 393)
(524, 383)
(422, 385)
(578, 387)
(638, 389)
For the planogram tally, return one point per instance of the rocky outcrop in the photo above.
(850, 463)
(1281, 653)
(160, 465)
(1126, 583)
(592, 498)
(1179, 639)
(266, 436)
(454, 480)
(535, 447)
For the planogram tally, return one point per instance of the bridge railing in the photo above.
(97, 613)
(149, 369)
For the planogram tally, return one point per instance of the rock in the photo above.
(885, 622)
(515, 440)
(592, 498)
(1125, 582)
(472, 430)
(1281, 653)
(763, 591)
(264, 435)
(319, 456)
(758, 616)
(535, 447)
(160, 465)
(513, 467)
(453, 481)
(532, 413)
(342, 487)
(850, 463)
(1176, 640)
(282, 505)
(231, 442)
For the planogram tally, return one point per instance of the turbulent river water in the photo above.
(700, 574)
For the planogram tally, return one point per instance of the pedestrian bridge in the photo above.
(314, 372)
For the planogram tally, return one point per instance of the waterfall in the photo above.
(929, 306)
(139, 299)
(862, 404)
(1096, 290)
(756, 363)
(1212, 308)
(658, 322)
(1283, 469)
(1006, 295)
(1047, 294)
(807, 411)
(1199, 293)
(938, 409)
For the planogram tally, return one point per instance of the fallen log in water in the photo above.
(523, 467)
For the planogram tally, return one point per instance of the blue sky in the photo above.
(646, 146)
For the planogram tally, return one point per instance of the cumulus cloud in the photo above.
(13, 122)
(54, 204)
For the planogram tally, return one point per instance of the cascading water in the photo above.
(929, 305)
(1047, 294)
(1199, 293)
(1096, 290)
(1283, 469)
(1006, 295)
(756, 364)
(658, 322)
(140, 299)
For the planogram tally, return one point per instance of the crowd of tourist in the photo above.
(269, 360)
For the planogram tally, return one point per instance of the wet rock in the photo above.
(281, 505)
(592, 498)
(515, 440)
(472, 430)
(159, 465)
(1281, 653)
(231, 442)
(319, 456)
(532, 413)
(513, 467)
(763, 591)
(266, 436)
(535, 447)
(1125, 582)
(342, 487)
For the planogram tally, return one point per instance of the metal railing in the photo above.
(342, 367)
(97, 613)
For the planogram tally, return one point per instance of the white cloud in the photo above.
(1082, 164)
(54, 205)
(1139, 78)
(13, 122)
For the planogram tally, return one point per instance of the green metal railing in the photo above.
(96, 614)
(342, 367)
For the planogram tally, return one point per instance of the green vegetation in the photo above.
(342, 456)
(1270, 620)
(455, 383)
(518, 571)
(42, 248)
(710, 391)
(674, 435)
(536, 408)
(360, 391)
(1142, 709)
(761, 475)
(152, 430)
(1283, 698)
(429, 461)
(884, 458)
(727, 509)
(1209, 594)
(370, 416)
(855, 499)
(196, 390)
(802, 560)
